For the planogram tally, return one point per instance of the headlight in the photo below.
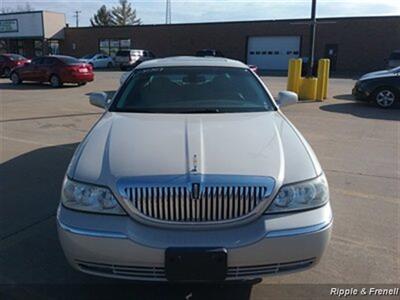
(300, 196)
(91, 198)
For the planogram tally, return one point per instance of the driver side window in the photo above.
(37, 61)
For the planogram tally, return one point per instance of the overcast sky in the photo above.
(186, 11)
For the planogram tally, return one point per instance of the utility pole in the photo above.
(77, 12)
(313, 29)
(168, 12)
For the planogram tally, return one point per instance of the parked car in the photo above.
(254, 68)
(209, 52)
(382, 87)
(129, 59)
(193, 173)
(9, 61)
(57, 70)
(98, 60)
(394, 59)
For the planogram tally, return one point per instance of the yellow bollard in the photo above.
(308, 89)
(321, 80)
(294, 75)
(327, 71)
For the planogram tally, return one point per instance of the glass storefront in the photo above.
(112, 46)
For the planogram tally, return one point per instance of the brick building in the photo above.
(355, 44)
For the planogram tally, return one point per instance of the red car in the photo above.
(57, 70)
(9, 61)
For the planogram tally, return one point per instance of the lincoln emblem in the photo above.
(195, 162)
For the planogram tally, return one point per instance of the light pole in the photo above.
(77, 12)
(313, 29)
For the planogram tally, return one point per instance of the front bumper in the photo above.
(360, 94)
(119, 247)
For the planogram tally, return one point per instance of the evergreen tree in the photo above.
(103, 17)
(124, 14)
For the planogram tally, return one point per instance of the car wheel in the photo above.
(15, 78)
(109, 65)
(6, 72)
(55, 81)
(385, 97)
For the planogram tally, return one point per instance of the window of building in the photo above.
(20, 47)
(38, 47)
(53, 47)
(112, 46)
(3, 46)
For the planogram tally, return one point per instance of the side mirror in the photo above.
(286, 98)
(98, 99)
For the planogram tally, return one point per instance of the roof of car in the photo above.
(191, 61)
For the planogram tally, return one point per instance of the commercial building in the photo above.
(355, 44)
(32, 34)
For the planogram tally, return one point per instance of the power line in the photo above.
(77, 12)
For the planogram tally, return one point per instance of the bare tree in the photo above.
(19, 8)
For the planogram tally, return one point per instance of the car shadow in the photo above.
(344, 97)
(31, 258)
(364, 110)
(32, 86)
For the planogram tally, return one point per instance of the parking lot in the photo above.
(357, 144)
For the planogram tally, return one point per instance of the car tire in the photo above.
(55, 81)
(15, 79)
(6, 72)
(385, 97)
(109, 65)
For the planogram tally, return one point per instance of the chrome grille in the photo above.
(158, 272)
(195, 202)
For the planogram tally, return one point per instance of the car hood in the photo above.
(377, 74)
(123, 145)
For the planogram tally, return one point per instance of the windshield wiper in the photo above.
(202, 111)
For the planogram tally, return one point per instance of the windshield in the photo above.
(192, 90)
(89, 56)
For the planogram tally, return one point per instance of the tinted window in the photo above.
(192, 90)
(123, 53)
(68, 60)
(37, 61)
(48, 61)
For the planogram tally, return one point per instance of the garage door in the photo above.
(272, 52)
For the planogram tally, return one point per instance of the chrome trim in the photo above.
(300, 230)
(91, 233)
(220, 198)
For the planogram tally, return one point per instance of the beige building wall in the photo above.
(54, 24)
